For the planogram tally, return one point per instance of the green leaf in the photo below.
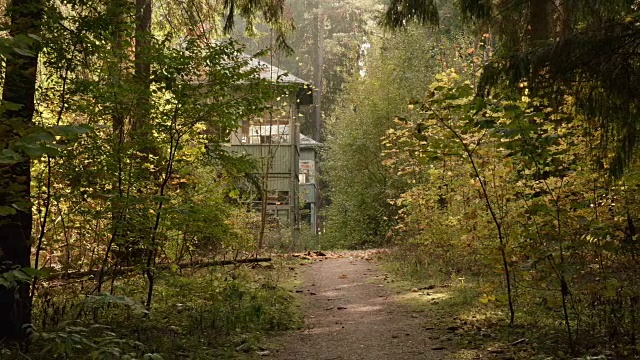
(34, 151)
(11, 106)
(158, 198)
(7, 210)
(14, 277)
(31, 272)
(36, 137)
(234, 194)
(8, 156)
(69, 131)
(103, 299)
(24, 52)
(34, 37)
(152, 357)
(22, 276)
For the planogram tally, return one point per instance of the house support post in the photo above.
(294, 194)
(314, 226)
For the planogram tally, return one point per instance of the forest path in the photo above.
(351, 314)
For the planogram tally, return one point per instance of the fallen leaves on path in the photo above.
(355, 254)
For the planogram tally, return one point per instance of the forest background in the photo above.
(492, 141)
(497, 151)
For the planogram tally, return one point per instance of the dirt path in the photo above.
(351, 314)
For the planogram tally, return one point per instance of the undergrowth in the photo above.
(472, 322)
(203, 314)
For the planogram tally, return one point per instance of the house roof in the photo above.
(270, 72)
(307, 142)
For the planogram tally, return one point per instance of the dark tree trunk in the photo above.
(564, 21)
(143, 32)
(141, 130)
(15, 230)
(140, 125)
(318, 73)
(540, 20)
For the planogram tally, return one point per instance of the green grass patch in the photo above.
(469, 317)
(218, 312)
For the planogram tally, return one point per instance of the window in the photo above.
(269, 134)
(307, 170)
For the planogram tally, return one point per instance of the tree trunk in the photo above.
(142, 37)
(15, 230)
(540, 20)
(118, 213)
(565, 18)
(140, 121)
(318, 73)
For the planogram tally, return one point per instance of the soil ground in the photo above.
(350, 313)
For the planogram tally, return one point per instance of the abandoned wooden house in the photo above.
(286, 160)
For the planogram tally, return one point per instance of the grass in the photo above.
(472, 322)
(218, 312)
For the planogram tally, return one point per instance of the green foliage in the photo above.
(97, 341)
(12, 278)
(204, 313)
(128, 170)
(527, 165)
(103, 300)
(138, 195)
(400, 12)
(564, 224)
(359, 214)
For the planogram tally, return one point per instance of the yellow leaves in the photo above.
(389, 162)
(485, 299)
(400, 121)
